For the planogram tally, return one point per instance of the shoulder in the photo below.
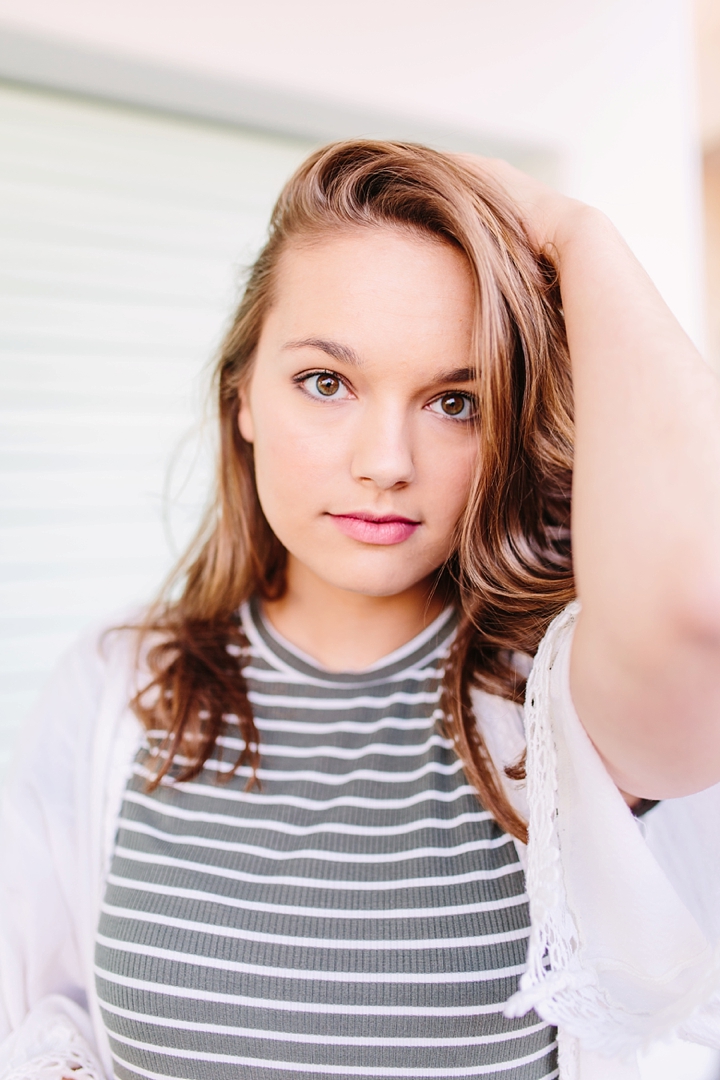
(502, 721)
(502, 726)
(97, 672)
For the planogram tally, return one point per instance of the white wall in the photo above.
(607, 83)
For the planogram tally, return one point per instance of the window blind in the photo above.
(125, 235)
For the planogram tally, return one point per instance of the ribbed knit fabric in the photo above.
(359, 916)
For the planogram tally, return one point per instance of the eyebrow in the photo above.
(332, 348)
(347, 355)
(457, 375)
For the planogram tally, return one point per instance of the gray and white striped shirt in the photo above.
(359, 916)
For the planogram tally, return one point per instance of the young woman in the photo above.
(280, 832)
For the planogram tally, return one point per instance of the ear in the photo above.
(245, 421)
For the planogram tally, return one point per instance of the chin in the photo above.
(387, 582)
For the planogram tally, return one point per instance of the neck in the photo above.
(348, 631)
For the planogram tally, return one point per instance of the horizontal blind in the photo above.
(124, 238)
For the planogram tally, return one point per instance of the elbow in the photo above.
(678, 650)
(696, 615)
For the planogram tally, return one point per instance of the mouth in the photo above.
(375, 528)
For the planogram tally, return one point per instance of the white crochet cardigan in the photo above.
(625, 940)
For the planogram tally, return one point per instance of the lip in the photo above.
(375, 528)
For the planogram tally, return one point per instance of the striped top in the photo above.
(360, 916)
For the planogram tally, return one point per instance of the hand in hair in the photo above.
(646, 504)
(545, 213)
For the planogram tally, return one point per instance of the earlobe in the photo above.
(244, 419)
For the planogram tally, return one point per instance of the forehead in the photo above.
(391, 278)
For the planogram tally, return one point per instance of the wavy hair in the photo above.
(510, 571)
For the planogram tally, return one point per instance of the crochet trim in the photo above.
(556, 983)
(73, 1060)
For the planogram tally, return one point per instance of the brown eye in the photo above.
(325, 385)
(453, 404)
(456, 406)
(328, 385)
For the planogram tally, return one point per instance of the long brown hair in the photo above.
(511, 568)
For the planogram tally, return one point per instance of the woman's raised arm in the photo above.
(645, 672)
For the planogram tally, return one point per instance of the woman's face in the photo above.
(360, 408)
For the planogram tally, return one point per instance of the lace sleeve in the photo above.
(553, 940)
(553, 947)
(617, 957)
(51, 1044)
(75, 1062)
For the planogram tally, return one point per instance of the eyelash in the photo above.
(305, 377)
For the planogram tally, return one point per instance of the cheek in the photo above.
(449, 473)
(293, 470)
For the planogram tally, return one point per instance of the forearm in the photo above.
(646, 497)
(646, 503)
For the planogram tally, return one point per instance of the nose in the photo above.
(382, 452)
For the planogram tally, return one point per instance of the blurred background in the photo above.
(142, 146)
